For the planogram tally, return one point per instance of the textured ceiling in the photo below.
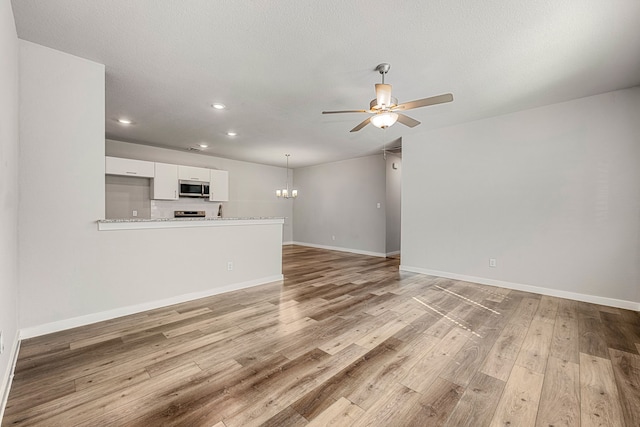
(278, 64)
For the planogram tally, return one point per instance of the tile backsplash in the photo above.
(165, 208)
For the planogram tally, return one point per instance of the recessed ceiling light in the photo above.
(219, 106)
(203, 145)
(231, 134)
(125, 121)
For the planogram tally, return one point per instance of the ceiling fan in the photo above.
(385, 109)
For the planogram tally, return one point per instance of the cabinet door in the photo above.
(128, 167)
(165, 182)
(191, 173)
(219, 186)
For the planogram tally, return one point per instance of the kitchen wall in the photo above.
(126, 194)
(339, 200)
(9, 126)
(72, 274)
(393, 206)
(552, 193)
(251, 186)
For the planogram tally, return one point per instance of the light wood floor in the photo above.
(345, 340)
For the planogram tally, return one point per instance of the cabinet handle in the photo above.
(132, 173)
(195, 179)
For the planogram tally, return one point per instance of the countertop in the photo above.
(145, 223)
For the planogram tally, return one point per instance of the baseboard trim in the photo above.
(594, 299)
(7, 380)
(337, 248)
(287, 243)
(47, 328)
(393, 253)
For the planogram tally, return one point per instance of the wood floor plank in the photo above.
(200, 402)
(626, 367)
(384, 375)
(342, 412)
(520, 398)
(592, 336)
(358, 332)
(103, 401)
(428, 368)
(478, 403)
(565, 340)
(599, 398)
(287, 417)
(503, 354)
(621, 335)
(391, 409)
(347, 381)
(434, 406)
(547, 309)
(466, 362)
(534, 351)
(380, 334)
(560, 399)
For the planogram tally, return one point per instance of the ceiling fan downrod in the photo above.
(383, 69)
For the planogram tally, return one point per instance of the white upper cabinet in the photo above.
(165, 183)
(219, 186)
(128, 167)
(191, 173)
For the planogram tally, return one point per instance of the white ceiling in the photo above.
(278, 64)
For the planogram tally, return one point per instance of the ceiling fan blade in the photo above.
(407, 121)
(440, 99)
(361, 125)
(345, 111)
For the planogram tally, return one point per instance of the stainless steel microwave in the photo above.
(194, 189)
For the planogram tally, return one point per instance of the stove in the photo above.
(189, 214)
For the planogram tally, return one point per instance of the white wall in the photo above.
(71, 273)
(8, 191)
(552, 193)
(61, 182)
(340, 199)
(394, 202)
(252, 186)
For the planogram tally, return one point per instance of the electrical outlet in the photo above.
(378, 205)
(135, 213)
(492, 262)
(229, 266)
(333, 237)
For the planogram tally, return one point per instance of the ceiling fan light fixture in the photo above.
(383, 96)
(384, 119)
(374, 107)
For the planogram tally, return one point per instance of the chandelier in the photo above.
(285, 193)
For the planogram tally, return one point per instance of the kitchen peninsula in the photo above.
(143, 264)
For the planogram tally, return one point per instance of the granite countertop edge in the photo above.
(128, 220)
